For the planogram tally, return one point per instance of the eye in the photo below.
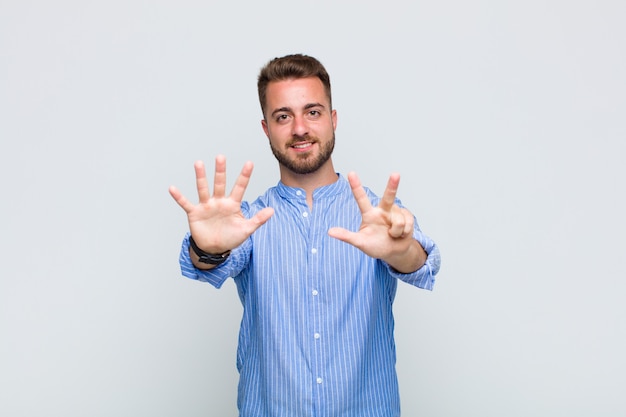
(315, 114)
(281, 118)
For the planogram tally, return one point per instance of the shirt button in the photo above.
(313, 250)
(305, 214)
(315, 292)
(316, 335)
(298, 193)
(319, 380)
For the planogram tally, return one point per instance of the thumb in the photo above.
(341, 234)
(261, 217)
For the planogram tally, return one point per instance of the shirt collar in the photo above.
(325, 191)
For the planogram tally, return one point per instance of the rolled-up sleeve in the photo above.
(217, 276)
(425, 276)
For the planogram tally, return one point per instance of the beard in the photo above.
(307, 162)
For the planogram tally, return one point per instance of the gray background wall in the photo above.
(504, 118)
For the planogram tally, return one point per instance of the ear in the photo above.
(265, 128)
(334, 118)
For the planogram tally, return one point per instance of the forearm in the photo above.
(215, 276)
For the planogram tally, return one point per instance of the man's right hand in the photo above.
(216, 222)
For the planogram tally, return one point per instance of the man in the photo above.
(316, 261)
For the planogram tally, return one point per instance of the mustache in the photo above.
(302, 138)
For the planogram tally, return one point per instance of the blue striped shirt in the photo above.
(316, 336)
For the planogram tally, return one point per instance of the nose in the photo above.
(299, 127)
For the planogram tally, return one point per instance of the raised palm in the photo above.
(216, 221)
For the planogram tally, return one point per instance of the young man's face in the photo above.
(299, 124)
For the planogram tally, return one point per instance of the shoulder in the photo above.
(267, 199)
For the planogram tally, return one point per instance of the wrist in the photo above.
(206, 258)
(410, 260)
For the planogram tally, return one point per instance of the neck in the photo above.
(325, 175)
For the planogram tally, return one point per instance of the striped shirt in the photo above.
(316, 337)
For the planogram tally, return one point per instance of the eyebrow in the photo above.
(306, 107)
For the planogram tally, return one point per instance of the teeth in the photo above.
(300, 146)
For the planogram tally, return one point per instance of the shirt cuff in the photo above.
(425, 276)
(215, 276)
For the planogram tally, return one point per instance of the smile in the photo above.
(304, 145)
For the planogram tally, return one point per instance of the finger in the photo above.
(202, 184)
(219, 179)
(180, 199)
(408, 223)
(242, 182)
(406, 219)
(260, 218)
(344, 235)
(359, 193)
(389, 196)
(398, 222)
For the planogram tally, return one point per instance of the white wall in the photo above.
(506, 120)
